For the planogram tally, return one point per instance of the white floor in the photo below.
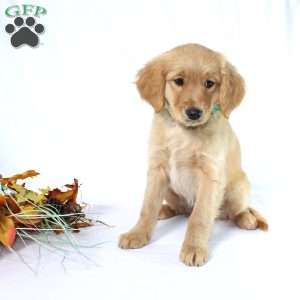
(243, 264)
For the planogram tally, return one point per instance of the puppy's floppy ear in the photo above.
(151, 83)
(232, 88)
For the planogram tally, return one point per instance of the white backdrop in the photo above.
(69, 108)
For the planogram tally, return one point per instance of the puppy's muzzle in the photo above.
(194, 113)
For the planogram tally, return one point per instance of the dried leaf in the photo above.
(12, 205)
(28, 216)
(2, 200)
(8, 180)
(25, 195)
(64, 197)
(21, 206)
(7, 231)
(9, 203)
(82, 224)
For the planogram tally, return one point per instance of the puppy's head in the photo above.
(189, 81)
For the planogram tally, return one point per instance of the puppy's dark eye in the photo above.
(179, 81)
(208, 84)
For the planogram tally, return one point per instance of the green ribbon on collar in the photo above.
(216, 108)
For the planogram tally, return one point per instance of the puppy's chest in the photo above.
(184, 155)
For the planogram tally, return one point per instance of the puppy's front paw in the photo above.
(133, 239)
(194, 256)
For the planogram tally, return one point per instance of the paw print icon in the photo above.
(24, 32)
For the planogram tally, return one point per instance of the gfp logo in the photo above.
(25, 29)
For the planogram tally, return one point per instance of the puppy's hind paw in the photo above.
(251, 219)
(166, 212)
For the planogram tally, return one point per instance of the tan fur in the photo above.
(194, 166)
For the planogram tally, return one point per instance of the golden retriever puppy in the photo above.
(194, 160)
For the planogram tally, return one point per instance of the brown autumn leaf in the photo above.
(82, 224)
(7, 231)
(12, 205)
(64, 197)
(2, 200)
(14, 178)
(9, 203)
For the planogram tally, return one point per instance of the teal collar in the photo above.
(215, 109)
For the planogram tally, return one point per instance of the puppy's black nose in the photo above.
(193, 113)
